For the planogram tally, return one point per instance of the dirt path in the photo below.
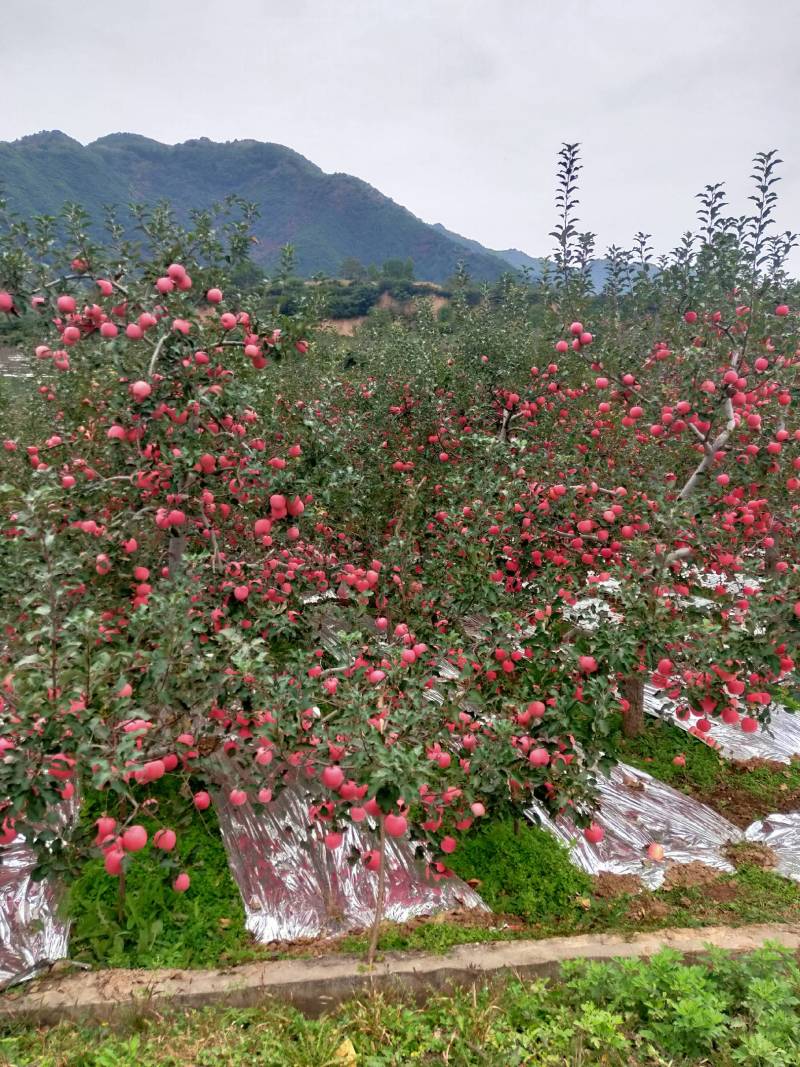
(318, 985)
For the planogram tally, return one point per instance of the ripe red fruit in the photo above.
(655, 852)
(6, 301)
(749, 725)
(679, 761)
(690, 317)
(448, 845)
(181, 883)
(594, 834)
(214, 296)
(141, 390)
(576, 328)
(113, 862)
(333, 840)
(105, 827)
(241, 592)
(134, 838)
(562, 346)
(154, 769)
(165, 840)
(782, 310)
(588, 664)
(395, 825)
(237, 797)
(539, 757)
(202, 801)
(332, 777)
(66, 304)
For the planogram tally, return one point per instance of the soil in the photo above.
(344, 327)
(722, 892)
(752, 853)
(316, 986)
(610, 886)
(740, 805)
(689, 875)
(647, 908)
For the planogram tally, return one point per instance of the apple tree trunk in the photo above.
(632, 689)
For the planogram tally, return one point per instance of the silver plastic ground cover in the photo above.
(635, 811)
(293, 887)
(31, 932)
(778, 741)
(781, 832)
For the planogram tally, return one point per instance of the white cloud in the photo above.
(455, 108)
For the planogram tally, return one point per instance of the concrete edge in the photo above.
(318, 985)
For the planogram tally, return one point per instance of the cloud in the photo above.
(455, 108)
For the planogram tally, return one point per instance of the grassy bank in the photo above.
(663, 1011)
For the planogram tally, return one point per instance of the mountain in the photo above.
(327, 217)
(521, 260)
(517, 259)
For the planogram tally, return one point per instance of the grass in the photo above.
(520, 870)
(156, 926)
(723, 1010)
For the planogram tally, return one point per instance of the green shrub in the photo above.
(723, 1011)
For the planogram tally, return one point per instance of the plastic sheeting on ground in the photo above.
(778, 741)
(781, 832)
(31, 932)
(293, 887)
(637, 810)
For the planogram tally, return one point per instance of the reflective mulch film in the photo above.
(636, 811)
(778, 741)
(781, 832)
(31, 932)
(293, 887)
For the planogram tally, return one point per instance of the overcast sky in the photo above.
(455, 108)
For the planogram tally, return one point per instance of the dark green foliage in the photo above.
(721, 1010)
(525, 873)
(327, 218)
(349, 301)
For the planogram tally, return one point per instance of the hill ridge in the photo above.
(328, 217)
